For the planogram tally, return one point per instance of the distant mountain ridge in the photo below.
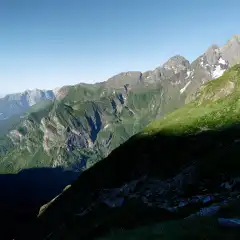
(88, 121)
(18, 103)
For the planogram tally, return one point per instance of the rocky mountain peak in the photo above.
(18, 103)
(213, 49)
(212, 64)
(177, 63)
(212, 54)
(231, 50)
(34, 96)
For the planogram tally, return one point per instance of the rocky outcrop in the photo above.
(212, 64)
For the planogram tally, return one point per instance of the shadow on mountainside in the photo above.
(213, 153)
(22, 194)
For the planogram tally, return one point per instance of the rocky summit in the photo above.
(136, 155)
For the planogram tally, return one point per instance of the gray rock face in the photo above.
(30, 97)
(180, 77)
(177, 64)
(231, 50)
(36, 96)
(212, 64)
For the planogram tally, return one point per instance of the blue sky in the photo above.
(50, 43)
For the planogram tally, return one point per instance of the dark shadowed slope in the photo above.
(22, 194)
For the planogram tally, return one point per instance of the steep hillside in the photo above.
(86, 122)
(184, 169)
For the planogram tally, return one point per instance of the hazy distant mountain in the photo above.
(17, 103)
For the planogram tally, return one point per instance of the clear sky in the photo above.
(50, 43)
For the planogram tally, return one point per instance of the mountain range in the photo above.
(171, 169)
(86, 122)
